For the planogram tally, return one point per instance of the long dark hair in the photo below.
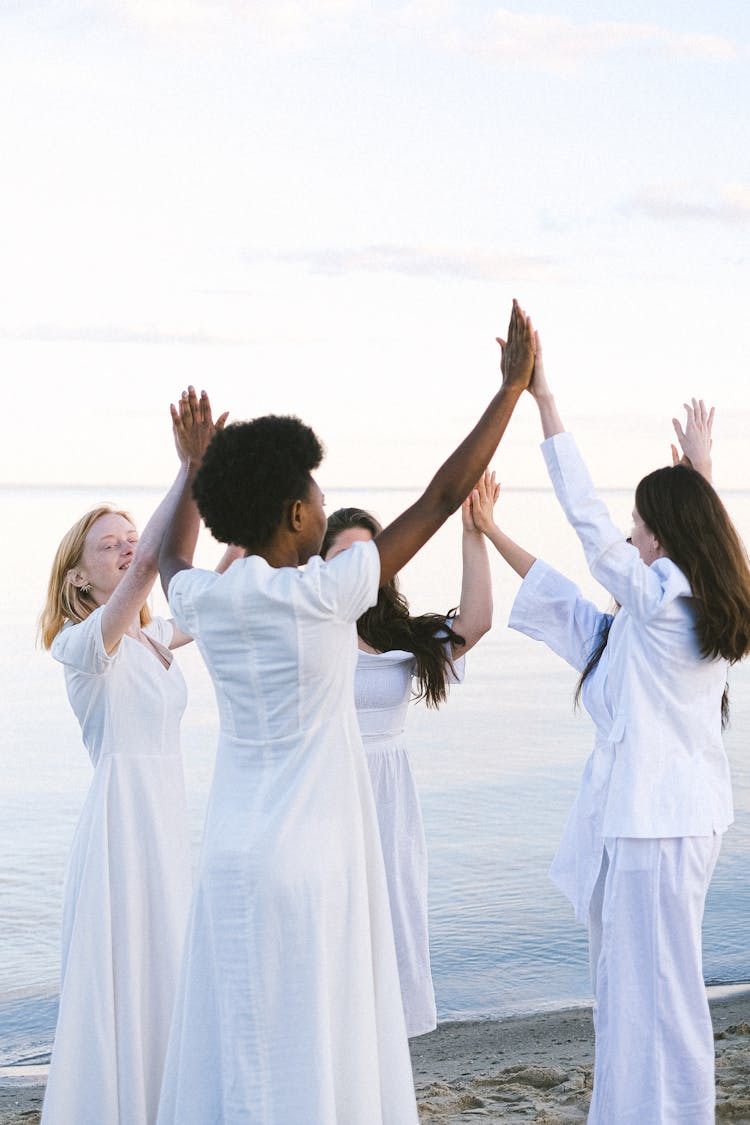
(693, 527)
(388, 624)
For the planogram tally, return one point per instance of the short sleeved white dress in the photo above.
(382, 691)
(289, 1008)
(127, 887)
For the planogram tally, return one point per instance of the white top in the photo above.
(670, 775)
(290, 1009)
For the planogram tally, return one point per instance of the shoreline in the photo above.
(513, 1069)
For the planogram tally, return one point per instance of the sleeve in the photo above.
(183, 595)
(348, 584)
(550, 608)
(81, 646)
(612, 560)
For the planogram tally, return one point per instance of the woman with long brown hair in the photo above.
(644, 835)
(401, 656)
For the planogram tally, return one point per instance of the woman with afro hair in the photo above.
(289, 1007)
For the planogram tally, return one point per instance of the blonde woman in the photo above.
(127, 885)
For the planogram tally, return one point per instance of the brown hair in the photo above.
(693, 527)
(388, 624)
(66, 602)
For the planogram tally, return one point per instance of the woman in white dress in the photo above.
(399, 657)
(127, 887)
(643, 837)
(289, 1007)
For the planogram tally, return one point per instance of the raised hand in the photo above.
(193, 425)
(517, 358)
(538, 385)
(478, 509)
(695, 439)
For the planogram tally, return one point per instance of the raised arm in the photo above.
(125, 603)
(695, 440)
(545, 400)
(484, 520)
(474, 617)
(453, 481)
(193, 428)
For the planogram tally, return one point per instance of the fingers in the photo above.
(675, 455)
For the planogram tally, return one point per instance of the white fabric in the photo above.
(550, 608)
(382, 690)
(656, 792)
(127, 886)
(289, 1008)
(654, 1060)
(670, 774)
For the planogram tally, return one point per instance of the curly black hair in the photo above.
(250, 472)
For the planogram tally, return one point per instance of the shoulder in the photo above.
(673, 582)
(81, 645)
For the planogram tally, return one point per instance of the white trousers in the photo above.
(654, 1060)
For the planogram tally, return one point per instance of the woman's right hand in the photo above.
(538, 385)
(517, 352)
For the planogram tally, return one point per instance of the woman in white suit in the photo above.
(644, 835)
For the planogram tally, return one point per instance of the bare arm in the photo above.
(545, 400)
(193, 427)
(398, 542)
(125, 603)
(516, 556)
(474, 617)
(695, 440)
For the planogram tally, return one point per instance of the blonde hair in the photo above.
(66, 602)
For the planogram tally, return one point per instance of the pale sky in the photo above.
(325, 207)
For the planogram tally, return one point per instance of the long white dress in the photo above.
(382, 691)
(127, 887)
(289, 1008)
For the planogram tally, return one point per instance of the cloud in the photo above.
(729, 206)
(413, 261)
(553, 43)
(108, 334)
(290, 24)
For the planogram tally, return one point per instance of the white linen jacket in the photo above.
(670, 774)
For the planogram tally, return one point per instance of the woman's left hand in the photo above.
(193, 425)
(477, 510)
(695, 440)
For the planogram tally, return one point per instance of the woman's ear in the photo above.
(76, 579)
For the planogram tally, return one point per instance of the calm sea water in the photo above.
(497, 769)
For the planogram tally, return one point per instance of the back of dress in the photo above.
(291, 966)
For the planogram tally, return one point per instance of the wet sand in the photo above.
(534, 1068)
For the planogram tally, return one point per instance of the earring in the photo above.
(86, 589)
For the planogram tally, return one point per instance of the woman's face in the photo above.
(345, 538)
(642, 537)
(107, 554)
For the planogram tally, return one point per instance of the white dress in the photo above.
(382, 691)
(127, 887)
(289, 1008)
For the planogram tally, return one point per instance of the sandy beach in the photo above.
(526, 1068)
